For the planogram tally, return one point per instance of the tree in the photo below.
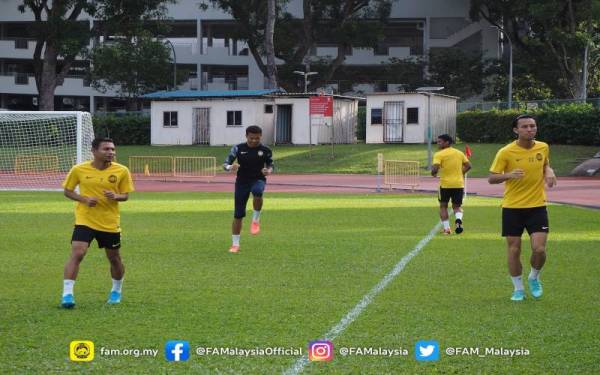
(61, 37)
(552, 32)
(340, 23)
(132, 66)
(269, 46)
(462, 74)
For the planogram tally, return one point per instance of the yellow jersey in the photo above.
(92, 183)
(451, 163)
(527, 191)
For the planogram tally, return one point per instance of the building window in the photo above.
(376, 118)
(234, 118)
(412, 115)
(268, 108)
(170, 119)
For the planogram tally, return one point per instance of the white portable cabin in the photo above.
(405, 117)
(221, 117)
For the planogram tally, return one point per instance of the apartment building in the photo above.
(204, 47)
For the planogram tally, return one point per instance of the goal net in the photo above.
(37, 149)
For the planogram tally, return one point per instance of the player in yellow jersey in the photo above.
(452, 165)
(102, 183)
(524, 165)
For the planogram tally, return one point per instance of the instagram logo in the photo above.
(320, 350)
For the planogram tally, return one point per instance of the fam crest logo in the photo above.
(81, 351)
(112, 178)
(539, 156)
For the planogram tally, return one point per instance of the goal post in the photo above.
(37, 149)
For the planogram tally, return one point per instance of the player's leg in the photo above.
(258, 188)
(457, 199)
(111, 242)
(242, 194)
(515, 268)
(512, 229)
(538, 228)
(444, 198)
(80, 242)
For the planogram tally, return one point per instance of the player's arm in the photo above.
(435, 169)
(268, 169)
(498, 178)
(466, 167)
(116, 197)
(230, 165)
(498, 172)
(73, 195)
(549, 176)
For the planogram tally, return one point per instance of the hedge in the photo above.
(129, 129)
(573, 124)
(361, 128)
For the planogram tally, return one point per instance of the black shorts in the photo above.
(456, 194)
(242, 194)
(107, 240)
(514, 220)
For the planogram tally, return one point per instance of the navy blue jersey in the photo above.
(251, 161)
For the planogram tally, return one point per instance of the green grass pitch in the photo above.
(317, 256)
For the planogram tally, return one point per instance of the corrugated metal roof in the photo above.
(409, 93)
(309, 94)
(191, 94)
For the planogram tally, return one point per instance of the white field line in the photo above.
(366, 300)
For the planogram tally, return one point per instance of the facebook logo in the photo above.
(177, 351)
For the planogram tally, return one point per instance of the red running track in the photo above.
(577, 191)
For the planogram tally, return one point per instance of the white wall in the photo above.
(220, 133)
(252, 114)
(443, 114)
(300, 120)
(413, 133)
(182, 134)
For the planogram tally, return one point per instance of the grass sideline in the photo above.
(360, 158)
(315, 259)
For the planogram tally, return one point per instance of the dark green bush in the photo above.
(361, 127)
(573, 124)
(133, 129)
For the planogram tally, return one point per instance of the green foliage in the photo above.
(573, 124)
(552, 35)
(361, 128)
(132, 66)
(124, 130)
(336, 23)
(463, 74)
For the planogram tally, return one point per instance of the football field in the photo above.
(369, 272)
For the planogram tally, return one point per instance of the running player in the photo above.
(254, 163)
(452, 165)
(102, 185)
(524, 165)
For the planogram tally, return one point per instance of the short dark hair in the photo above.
(253, 129)
(446, 137)
(97, 141)
(520, 117)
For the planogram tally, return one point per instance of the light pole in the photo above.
(428, 91)
(174, 63)
(305, 75)
(510, 65)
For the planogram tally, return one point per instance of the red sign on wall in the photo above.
(321, 105)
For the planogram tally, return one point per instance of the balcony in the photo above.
(23, 83)
(17, 48)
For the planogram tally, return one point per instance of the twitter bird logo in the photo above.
(427, 350)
